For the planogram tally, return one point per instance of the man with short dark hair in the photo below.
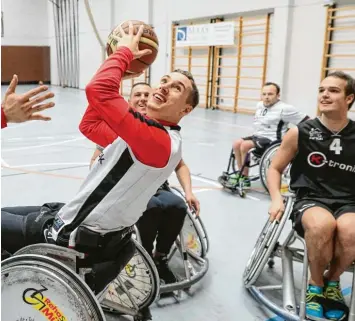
(322, 152)
(164, 217)
(98, 220)
(271, 120)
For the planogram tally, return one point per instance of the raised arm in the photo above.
(96, 129)
(149, 140)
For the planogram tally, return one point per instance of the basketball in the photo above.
(149, 40)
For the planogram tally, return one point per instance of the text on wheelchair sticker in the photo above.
(44, 305)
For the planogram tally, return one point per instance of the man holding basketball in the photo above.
(98, 220)
(165, 214)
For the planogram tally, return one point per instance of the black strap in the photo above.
(329, 304)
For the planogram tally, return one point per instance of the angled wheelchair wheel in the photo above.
(265, 246)
(136, 287)
(193, 230)
(265, 164)
(36, 287)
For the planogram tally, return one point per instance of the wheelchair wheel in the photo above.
(36, 287)
(136, 287)
(265, 246)
(204, 232)
(194, 232)
(265, 164)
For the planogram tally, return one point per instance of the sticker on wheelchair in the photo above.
(135, 279)
(191, 242)
(191, 239)
(131, 270)
(33, 295)
(38, 301)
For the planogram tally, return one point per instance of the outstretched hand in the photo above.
(131, 41)
(25, 107)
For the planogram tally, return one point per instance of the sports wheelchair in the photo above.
(44, 279)
(192, 245)
(266, 248)
(255, 157)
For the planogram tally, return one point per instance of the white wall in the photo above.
(190, 9)
(25, 22)
(90, 54)
(304, 58)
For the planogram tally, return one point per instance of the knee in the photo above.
(318, 226)
(236, 145)
(346, 230)
(246, 146)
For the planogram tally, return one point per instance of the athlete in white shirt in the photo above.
(271, 121)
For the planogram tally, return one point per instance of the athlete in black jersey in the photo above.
(322, 152)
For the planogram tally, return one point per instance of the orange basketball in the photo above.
(149, 40)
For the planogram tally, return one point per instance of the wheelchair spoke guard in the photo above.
(136, 287)
(36, 287)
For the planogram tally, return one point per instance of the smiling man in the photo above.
(322, 151)
(98, 220)
(133, 167)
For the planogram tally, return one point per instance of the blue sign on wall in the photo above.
(181, 33)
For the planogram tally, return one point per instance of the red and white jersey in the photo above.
(139, 156)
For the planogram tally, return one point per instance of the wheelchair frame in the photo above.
(191, 275)
(267, 246)
(223, 179)
(254, 159)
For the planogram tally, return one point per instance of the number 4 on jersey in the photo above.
(335, 146)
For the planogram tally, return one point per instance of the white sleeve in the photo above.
(291, 114)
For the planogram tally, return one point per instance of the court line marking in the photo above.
(220, 186)
(20, 168)
(202, 190)
(44, 145)
(3, 163)
(12, 139)
(23, 170)
(17, 126)
(346, 291)
(47, 164)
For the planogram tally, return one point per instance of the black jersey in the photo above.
(325, 163)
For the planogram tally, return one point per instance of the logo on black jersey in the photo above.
(317, 159)
(315, 134)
